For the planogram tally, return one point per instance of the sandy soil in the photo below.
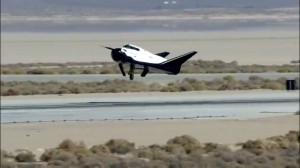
(264, 46)
(44, 135)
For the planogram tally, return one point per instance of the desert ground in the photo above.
(38, 136)
(247, 47)
(253, 46)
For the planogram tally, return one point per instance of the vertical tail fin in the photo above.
(174, 65)
(163, 54)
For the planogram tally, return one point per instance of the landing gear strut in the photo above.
(131, 72)
(145, 71)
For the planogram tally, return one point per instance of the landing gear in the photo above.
(122, 69)
(145, 71)
(131, 76)
(131, 72)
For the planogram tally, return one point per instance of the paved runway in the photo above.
(151, 78)
(220, 104)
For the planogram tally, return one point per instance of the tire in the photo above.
(131, 76)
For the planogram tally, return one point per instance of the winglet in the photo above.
(163, 54)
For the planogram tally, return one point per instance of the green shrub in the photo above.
(209, 147)
(10, 92)
(18, 71)
(231, 85)
(284, 70)
(5, 72)
(199, 85)
(169, 89)
(254, 78)
(228, 78)
(79, 149)
(282, 141)
(185, 86)
(87, 71)
(41, 71)
(120, 146)
(25, 157)
(58, 157)
(293, 136)
(100, 149)
(256, 147)
(189, 143)
(144, 153)
(174, 149)
(106, 71)
(152, 152)
(260, 147)
(68, 145)
(226, 156)
(242, 157)
(273, 86)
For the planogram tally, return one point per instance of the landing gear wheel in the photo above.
(131, 76)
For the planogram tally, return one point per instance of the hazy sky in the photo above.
(46, 6)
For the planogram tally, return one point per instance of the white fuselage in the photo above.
(141, 55)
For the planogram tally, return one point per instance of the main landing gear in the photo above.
(145, 71)
(131, 72)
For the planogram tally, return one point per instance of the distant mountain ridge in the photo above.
(32, 7)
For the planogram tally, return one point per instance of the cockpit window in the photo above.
(131, 47)
(126, 46)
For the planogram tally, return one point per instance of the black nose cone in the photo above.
(116, 55)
